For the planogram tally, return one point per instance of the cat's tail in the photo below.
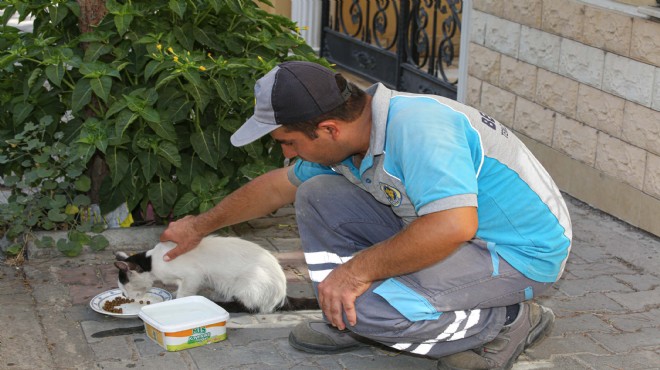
(299, 304)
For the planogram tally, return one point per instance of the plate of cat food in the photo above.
(113, 303)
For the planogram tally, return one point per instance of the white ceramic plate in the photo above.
(130, 310)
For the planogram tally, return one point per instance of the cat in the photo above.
(234, 269)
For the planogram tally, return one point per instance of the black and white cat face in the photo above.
(135, 277)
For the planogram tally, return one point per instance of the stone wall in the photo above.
(580, 85)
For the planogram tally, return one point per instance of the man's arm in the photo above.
(426, 241)
(259, 197)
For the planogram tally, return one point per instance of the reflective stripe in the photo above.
(451, 332)
(318, 276)
(401, 346)
(317, 258)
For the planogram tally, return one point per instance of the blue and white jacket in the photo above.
(428, 153)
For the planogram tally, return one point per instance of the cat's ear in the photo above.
(121, 256)
(124, 266)
(128, 266)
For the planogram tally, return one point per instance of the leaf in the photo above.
(205, 148)
(56, 215)
(82, 95)
(185, 204)
(116, 107)
(95, 50)
(83, 183)
(57, 13)
(69, 248)
(169, 152)
(222, 90)
(149, 162)
(118, 164)
(124, 119)
(34, 76)
(150, 115)
(55, 73)
(254, 149)
(20, 112)
(178, 7)
(101, 87)
(98, 243)
(123, 22)
(162, 196)
(163, 129)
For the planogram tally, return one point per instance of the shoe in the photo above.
(320, 338)
(533, 323)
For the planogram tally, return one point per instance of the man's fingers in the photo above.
(351, 315)
(174, 253)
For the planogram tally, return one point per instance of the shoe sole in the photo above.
(321, 350)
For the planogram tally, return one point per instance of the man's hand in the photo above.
(337, 295)
(184, 234)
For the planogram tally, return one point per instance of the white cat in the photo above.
(235, 269)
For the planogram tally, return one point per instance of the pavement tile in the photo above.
(645, 338)
(636, 360)
(637, 301)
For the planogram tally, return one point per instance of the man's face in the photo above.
(323, 149)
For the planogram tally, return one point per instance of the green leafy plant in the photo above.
(136, 107)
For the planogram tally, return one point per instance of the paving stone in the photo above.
(592, 302)
(638, 300)
(630, 322)
(598, 284)
(286, 244)
(582, 323)
(644, 281)
(565, 346)
(626, 342)
(556, 362)
(631, 361)
(23, 346)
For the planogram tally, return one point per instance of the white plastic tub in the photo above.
(184, 323)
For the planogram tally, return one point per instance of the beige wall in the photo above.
(581, 86)
(281, 7)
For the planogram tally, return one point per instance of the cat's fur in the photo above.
(233, 268)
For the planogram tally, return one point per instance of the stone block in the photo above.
(564, 18)
(629, 322)
(539, 48)
(528, 12)
(656, 91)
(652, 178)
(628, 78)
(607, 30)
(641, 127)
(503, 36)
(581, 62)
(575, 139)
(534, 121)
(484, 63)
(518, 77)
(621, 160)
(600, 110)
(473, 97)
(557, 93)
(498, 103)
(645, 43)
(478, 27)
(494, 7)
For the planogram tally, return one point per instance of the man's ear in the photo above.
(331, 127)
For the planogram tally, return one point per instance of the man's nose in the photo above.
(288, 151)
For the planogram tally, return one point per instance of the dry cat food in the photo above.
(112, 306)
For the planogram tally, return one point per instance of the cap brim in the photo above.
(251, 131)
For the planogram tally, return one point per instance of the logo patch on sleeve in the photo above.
(392, 194)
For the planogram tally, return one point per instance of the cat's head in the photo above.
(135, 278)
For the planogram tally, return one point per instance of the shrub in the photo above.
(151, 92)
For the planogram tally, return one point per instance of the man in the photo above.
(426, 225)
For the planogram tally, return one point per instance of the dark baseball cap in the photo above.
(291, 92)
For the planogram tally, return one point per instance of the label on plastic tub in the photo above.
(188, 338)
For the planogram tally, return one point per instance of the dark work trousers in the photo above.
(455, 305)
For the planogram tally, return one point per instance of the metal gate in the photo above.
(408, 45)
